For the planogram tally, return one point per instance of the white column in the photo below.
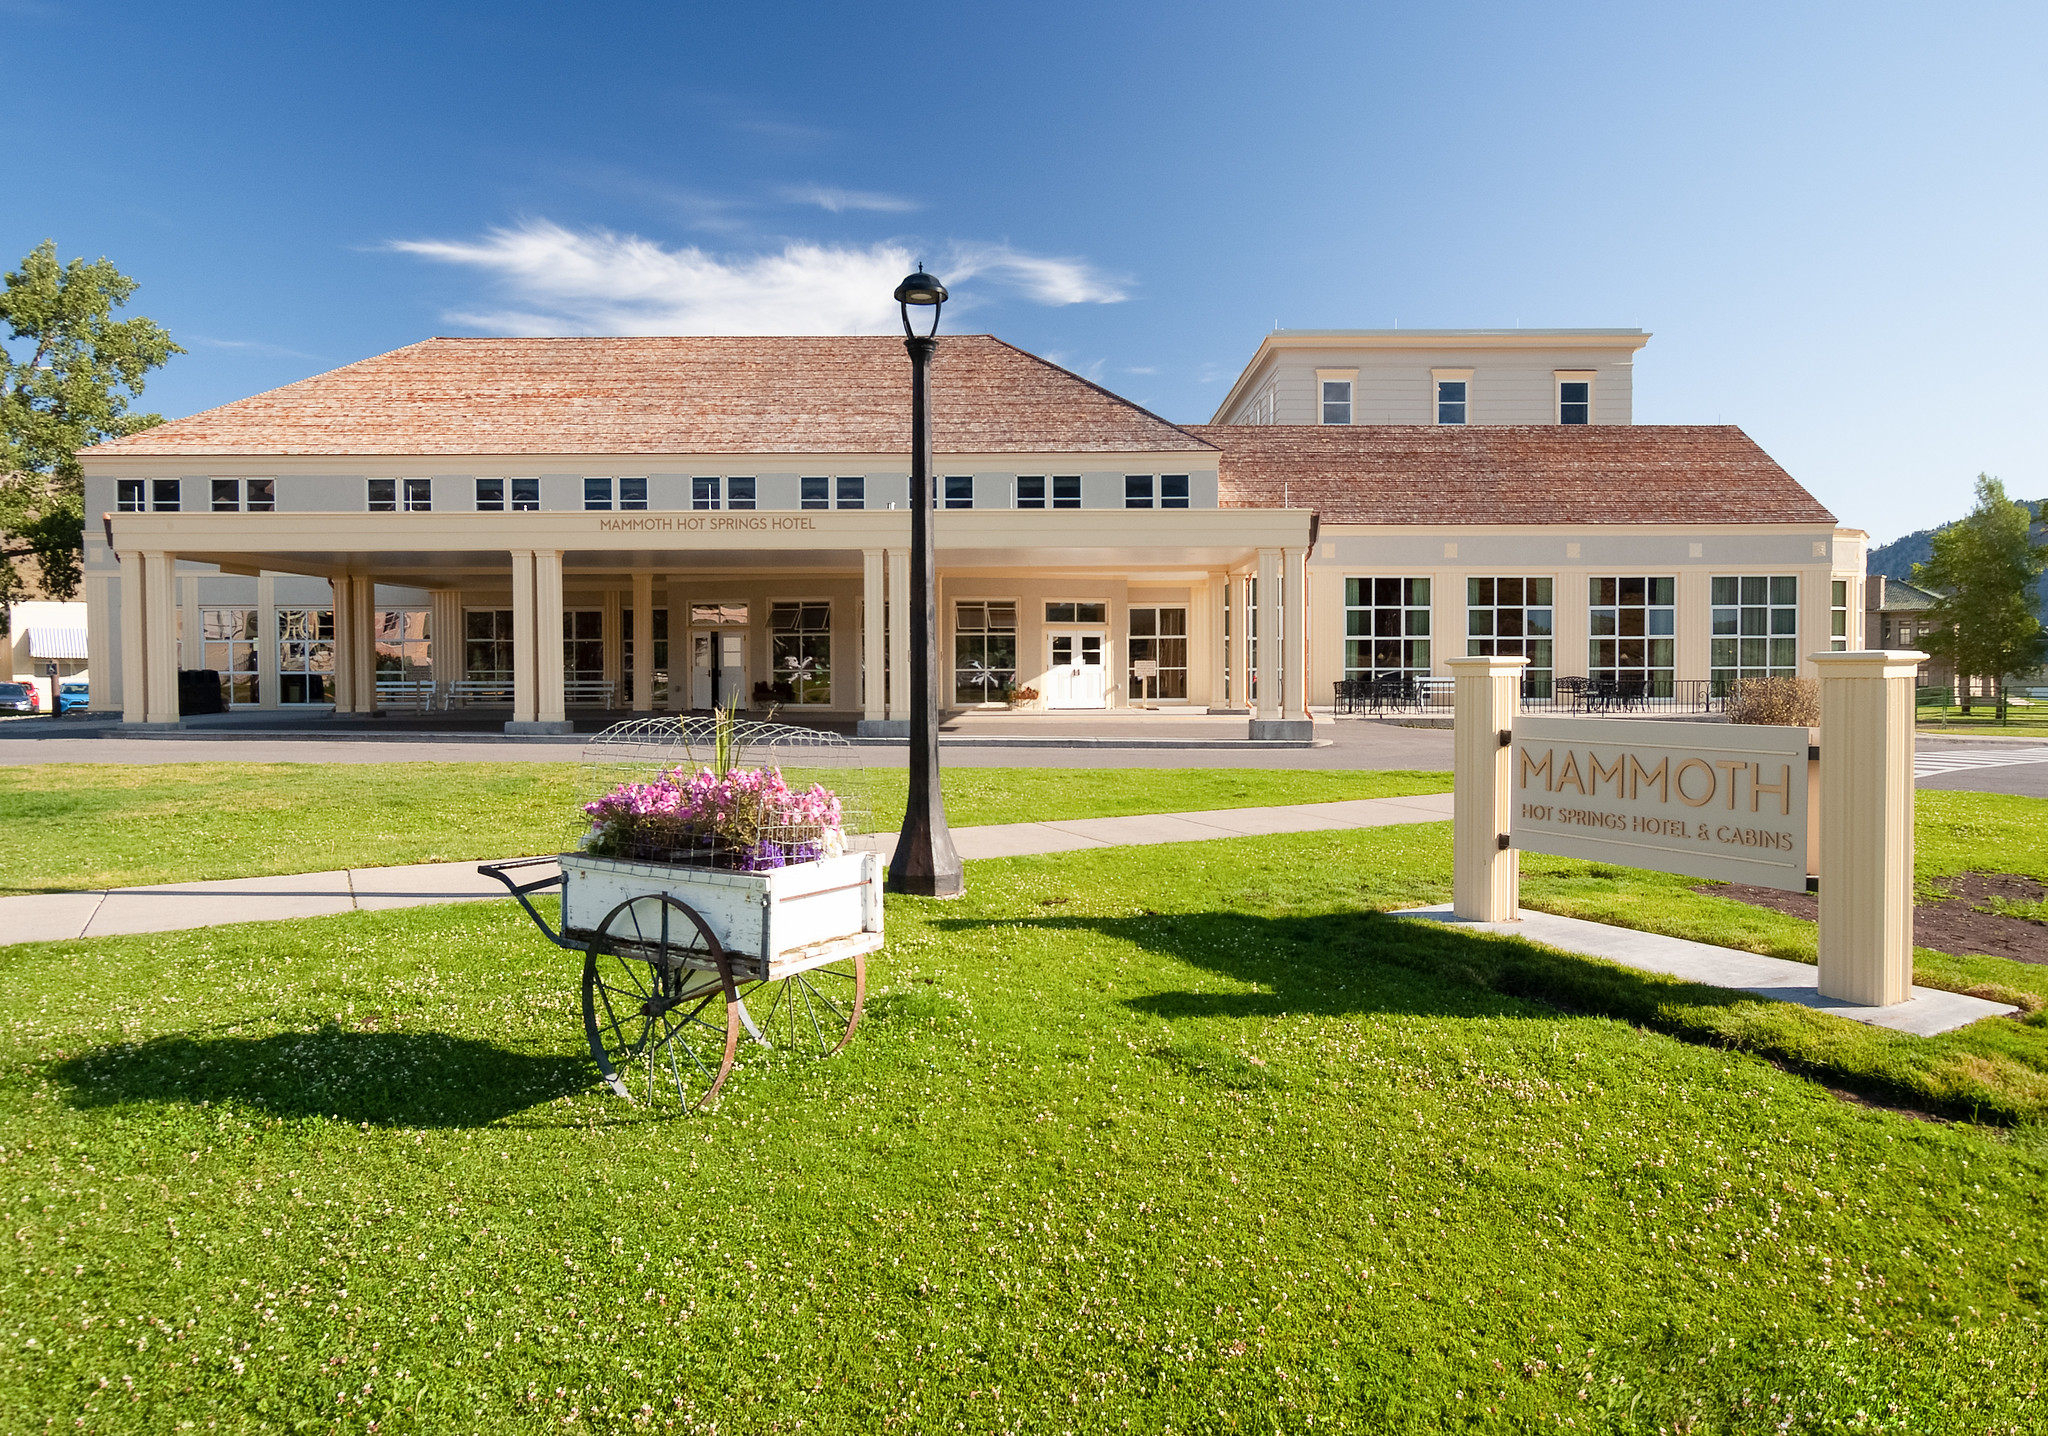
(1217, 646)
(191, 639)
(99, 641)
(160, 638)
(444, 634)
(547, 636)
(524, 657)
(899, 635)
(643, 641)
(343, 599)
(1240, 642)
(1866, 824)
(134, 647)
(266, 641)
(612, 608)
(1485, 873)
(873, 640)
(1294, 622)
(365, 645)
(1271, 639)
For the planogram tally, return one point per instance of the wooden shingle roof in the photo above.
(670, 395)
(1510, 474)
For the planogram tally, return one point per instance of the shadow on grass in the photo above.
(1346, 964)
(388, 1079)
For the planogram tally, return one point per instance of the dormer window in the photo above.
(1451, 396)
(1336, 401)
(1574, 396)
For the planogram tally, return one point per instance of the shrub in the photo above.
(1791, 701)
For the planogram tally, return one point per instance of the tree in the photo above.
(1984, 569)
(68, 370)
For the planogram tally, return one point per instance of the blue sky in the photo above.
(1832, 217)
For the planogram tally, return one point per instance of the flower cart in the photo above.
(711, 899)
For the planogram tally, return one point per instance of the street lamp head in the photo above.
(920, 289)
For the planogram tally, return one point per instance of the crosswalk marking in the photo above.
(1958, 760)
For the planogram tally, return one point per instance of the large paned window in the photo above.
(1512, 617)
(1632, 622)
(402, 649)
(1336, 401)
(229, 636)
(1386, 628)
(487, 646)
(305, 654)
(1756, 629)
(583, 645)
(1159, 652)
(227, 495)
(800, 651)
(985, 650)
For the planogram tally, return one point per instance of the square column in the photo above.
(1218, 645)
(1486, 874)
(614, 673)
(523, 657)
(343, 601)
(444, 634)
(874, 642)
(160, 638)
(548, 700)
(267, 686)
(364, 648)
(1268, 722)
(134, 648)
(642, 676)
(1238, 590)
(99, 640)
(1294, 624)
(898, 662)
(1866, 825)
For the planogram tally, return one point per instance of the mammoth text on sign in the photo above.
(1723, 801)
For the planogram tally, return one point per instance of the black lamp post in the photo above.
(925, 863)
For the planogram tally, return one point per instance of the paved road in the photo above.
(2003, 769)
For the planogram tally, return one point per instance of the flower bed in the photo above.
(749, 820)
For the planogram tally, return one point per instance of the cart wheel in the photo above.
(816, 1010)
(659, 1005)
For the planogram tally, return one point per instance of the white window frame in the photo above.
(1437, 379)
(1562, 377)
(1017, 607)
(1326, 378)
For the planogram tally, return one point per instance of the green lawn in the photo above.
(1170, 1138)
(113, 825)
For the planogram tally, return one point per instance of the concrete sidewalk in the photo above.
(1928, 1012)
(171, 907)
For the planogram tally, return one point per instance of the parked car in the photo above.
(72, 695)
(19, 698)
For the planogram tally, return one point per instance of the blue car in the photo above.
(72, 695)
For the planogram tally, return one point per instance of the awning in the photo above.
(46, 640)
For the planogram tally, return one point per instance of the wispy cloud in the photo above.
(562, 281)
(252, 346)
(838, 201)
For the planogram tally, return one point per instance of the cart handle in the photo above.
(519, 890)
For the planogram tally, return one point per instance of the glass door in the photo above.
(1075, 670)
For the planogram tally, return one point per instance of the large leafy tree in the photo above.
(68, 370)
(1984, 569)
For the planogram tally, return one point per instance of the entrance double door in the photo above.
(718, 669)
(1076, 670)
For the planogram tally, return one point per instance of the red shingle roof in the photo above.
(1511, 474)
(675, 395)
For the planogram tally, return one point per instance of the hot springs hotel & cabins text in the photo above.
(542, 527)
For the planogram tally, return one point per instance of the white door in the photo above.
(730, 649)
(1075, 670)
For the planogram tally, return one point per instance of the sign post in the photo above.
(1485, 871)
(1866, 824)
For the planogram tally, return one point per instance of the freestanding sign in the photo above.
(1722, 801)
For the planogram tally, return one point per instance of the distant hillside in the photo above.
(1896, 559)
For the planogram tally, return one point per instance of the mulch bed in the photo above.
(1952, 923)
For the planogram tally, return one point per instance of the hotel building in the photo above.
(548, 526)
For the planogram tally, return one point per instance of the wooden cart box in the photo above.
(771, 923)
